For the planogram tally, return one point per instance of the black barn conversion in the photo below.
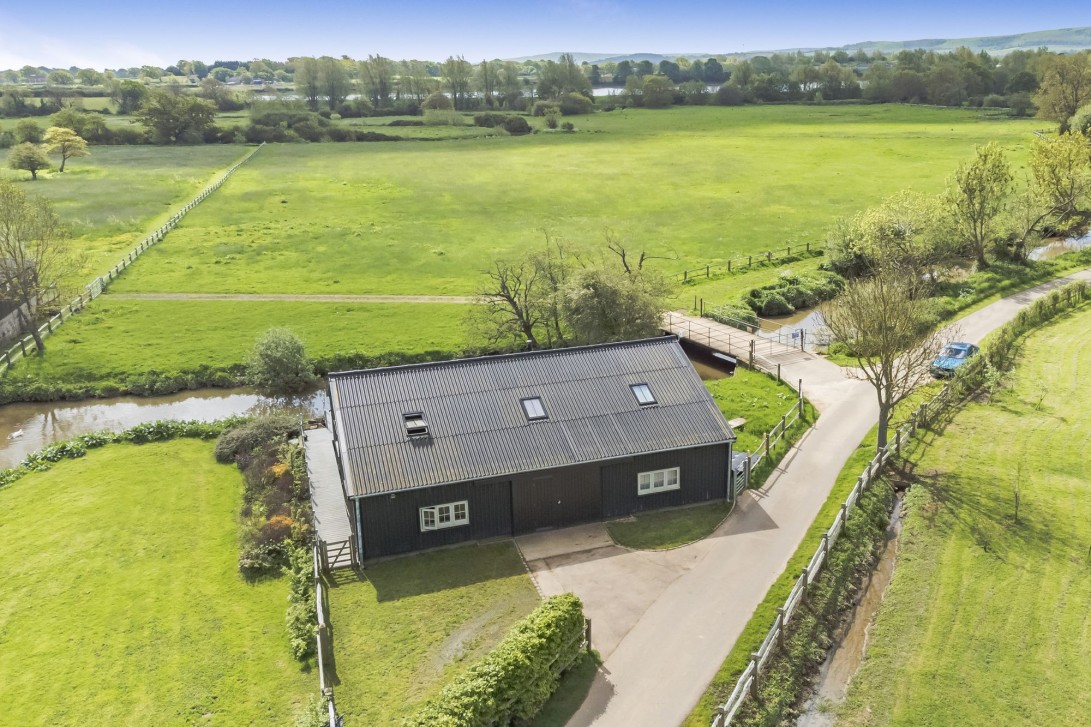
(439, 453)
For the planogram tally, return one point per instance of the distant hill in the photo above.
(1061, 40)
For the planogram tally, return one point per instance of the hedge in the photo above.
(513, 682)
(77, 447)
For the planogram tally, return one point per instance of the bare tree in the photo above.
(880, 320)
(34, 253)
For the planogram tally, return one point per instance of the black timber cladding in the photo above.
(479, 430)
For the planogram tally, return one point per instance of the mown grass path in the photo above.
(986, 620)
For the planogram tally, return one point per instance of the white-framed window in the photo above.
(648, 483)
(643, 394)
(534, 409)
(449, 515)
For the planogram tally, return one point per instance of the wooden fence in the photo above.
(745, 262)
(956, 390)
(769, 440)
(28, 345)
(323, 645)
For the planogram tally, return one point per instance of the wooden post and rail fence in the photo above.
(956, 391)
(745, 262)
(27, 345)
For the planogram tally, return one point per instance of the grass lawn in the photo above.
(112, 198)
(985, 621)
(758, 398)
(665, 529)
(699, 183)
(122, 600)
(404, 628)
(114, 338)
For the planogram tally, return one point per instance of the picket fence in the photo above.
(28, 345)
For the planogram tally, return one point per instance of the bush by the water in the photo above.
(278, 364)
(792, 292)
(510, 685)
(733, 314)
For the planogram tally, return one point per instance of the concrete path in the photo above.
(658, 668)
(297, 298)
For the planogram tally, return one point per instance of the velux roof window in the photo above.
(534, 409)
(643, 394)
(415, 425)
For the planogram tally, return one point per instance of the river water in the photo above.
(25, 428)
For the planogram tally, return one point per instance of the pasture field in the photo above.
(115, 339)
(694, 184)
(985, 621)
(404, 628)
(123, 603)
(700, 184)
(111, 199)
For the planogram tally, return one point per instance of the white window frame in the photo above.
(643, 394)
(664, 480)
(438, 517)
(535, 403)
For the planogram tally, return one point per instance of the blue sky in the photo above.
(125, 33)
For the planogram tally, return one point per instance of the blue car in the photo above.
(951, 357)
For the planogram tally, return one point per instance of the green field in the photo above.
(122, 598)
(986, 620)
(405, 627)
(699, 183)
(111, 199)
(115, 338)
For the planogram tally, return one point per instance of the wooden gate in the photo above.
(338, 554)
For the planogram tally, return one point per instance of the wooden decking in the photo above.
(767, 353)
(331, 519)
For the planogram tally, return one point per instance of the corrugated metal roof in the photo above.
(477, 426)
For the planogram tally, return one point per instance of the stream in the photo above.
(27, 427)
(851, 640)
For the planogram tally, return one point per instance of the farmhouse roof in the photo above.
(476, 424)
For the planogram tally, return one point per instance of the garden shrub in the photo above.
(248, 435)
(544, 108)
(772, 303)
(301, 618)
(733, 314)
(408, 122)
(443, 117)
(510, 685)
(517, 126)
(437, 100)
(568, 126)
(573, 104)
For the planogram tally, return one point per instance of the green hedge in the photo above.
(76, 447)
(514, 681)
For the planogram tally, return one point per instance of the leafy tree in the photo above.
(27, 131)
(333, 81)
(657, 92)
(129, 96)
(880, 319)
(604, 303)
(175, 119)
(1058, 192)
(60, 78)
(905, 234)
(89, 77)
(438, 101)
(35, 253)
(377, 79)
(306, 81)
(278, 364)
(65, 143)
(457, 76)
(977, 197)
(1065, 87)
(88, 125)
(28, 157)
